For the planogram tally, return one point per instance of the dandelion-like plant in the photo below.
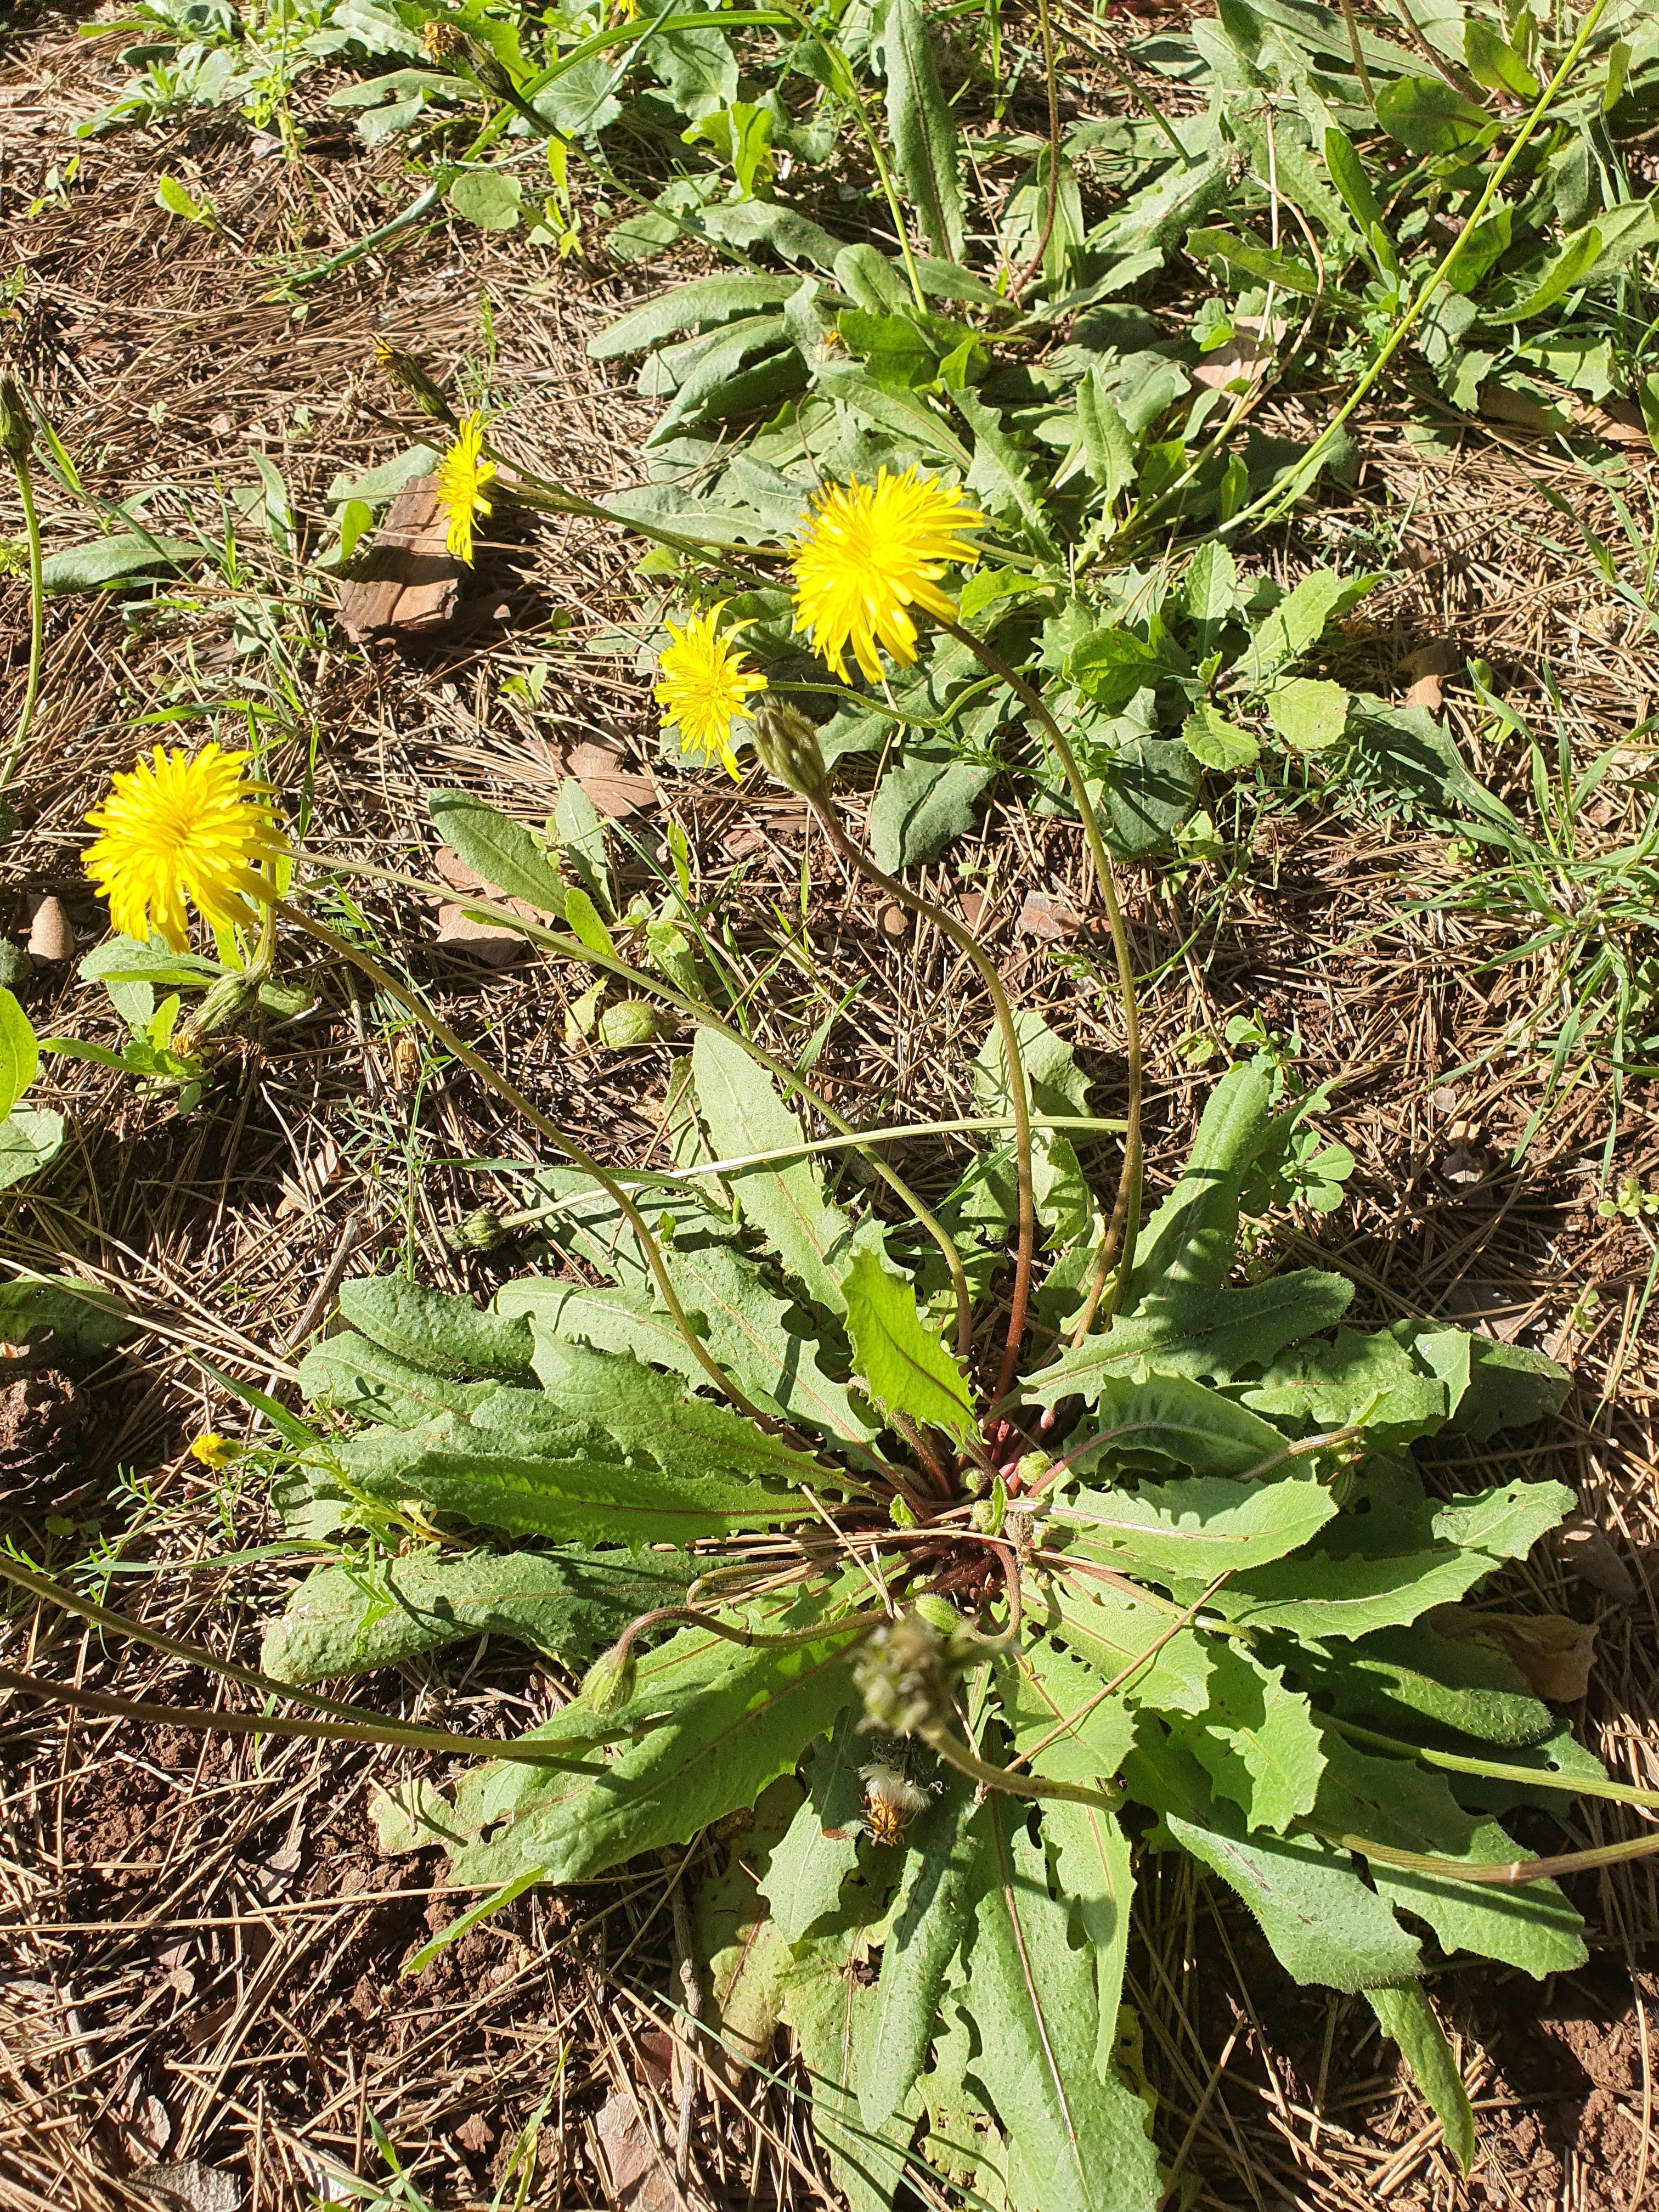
(175, 829)
(462, 475)
(704, 684)
(870, 552)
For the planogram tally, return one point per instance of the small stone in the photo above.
(893, 921)
(51, 936)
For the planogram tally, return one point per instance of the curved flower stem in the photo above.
(1046, 34)
(1507, 1873)
(966, 942)
(572, 949)
(37, 615)
(1124, 1228)
(955, 1755)
(572, 1152)
(752, 1639)
(215, 1722)
(1490, 1770)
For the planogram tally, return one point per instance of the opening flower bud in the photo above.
(788, 747)
(608, 1685)
(16, 431)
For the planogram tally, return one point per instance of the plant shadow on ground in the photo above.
(202, 1939)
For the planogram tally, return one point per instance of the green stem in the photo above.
(1015, 1785)
(1276, 502)
(1506, 1874)
(1575, 1785)
(1123, 1230)
(37, 614)
(521, 1105)
(390, 1733)
(572, 948)
(1046, 35)
(1360, 70)
(967, 942)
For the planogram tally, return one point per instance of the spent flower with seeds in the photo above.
(868, 554)
(462, 475)
(704, 684)
(176, 829)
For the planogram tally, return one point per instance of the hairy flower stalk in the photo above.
(867, 554)
(180, 832)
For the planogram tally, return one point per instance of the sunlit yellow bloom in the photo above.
(703, 685)
(180, 828)
(462, 475)
(216, 1452)
(869, 553)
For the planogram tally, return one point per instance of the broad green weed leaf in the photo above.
(351, 1373)
(434, 1329)
(1319, 1595)
(344, 1620)
(1218, 743)
(706, 302)
(811, 1861)
(1491, 1385)
(1209, 591)
(1409, 2018)
(1268, 263)
(1300, 619)
(1205, 1335)
(580, 829)
(502, 851)
(31, 1138)
(1173, 1419)
(829, 2003)
(1195, 1530)
(1193, 1236)
(1257, 1740)
(1394, 1802)
(19, 1056)
(931, 1916)
(488, 198)
(1076, 2142)
(1309, 712)
(1053, 1708)
(644, 1410)
(925, 800)
(1493, 61)
(786, 1200)
(1505, 1523)
(1127, 1641)
(575, 1489)
(732, 1733)
(736, 1940)
(1059, 1086)
(904, 1362)
(82, 1322)
(1370, 1380)
(922, 130)
(1109, 666)
(1470, 1684)
(107, 560)
(1430, 117)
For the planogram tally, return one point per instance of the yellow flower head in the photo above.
(462, 475)
(213, 1451)
(180, 828)
(869, 552)
(703, 685)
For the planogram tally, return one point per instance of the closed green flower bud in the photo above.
(608, 1685)
(788, 747)
(407, 374)
(485, 67)
(631, 1021)
(225, 1000)
(16, 431)
(480, 1233)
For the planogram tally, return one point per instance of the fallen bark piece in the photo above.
(480, 940)
(410, 584)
